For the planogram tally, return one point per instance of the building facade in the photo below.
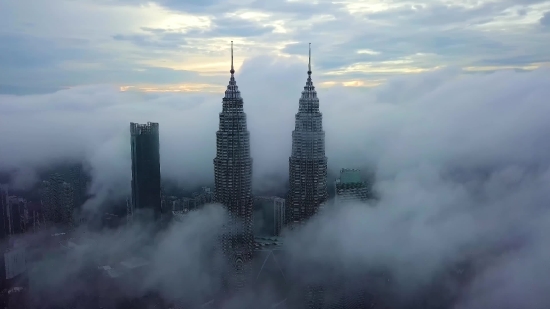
(351, 188)
(269, 215)
(146, 190)
(308, 163)
(233, 184)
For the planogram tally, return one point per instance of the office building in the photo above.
(146, 190)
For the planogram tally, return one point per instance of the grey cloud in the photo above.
(31, 64)
(298, 8)
(545, 20)
(22, 52)
(165, 40)
(181, 265)
(437, 14)
(238, 28)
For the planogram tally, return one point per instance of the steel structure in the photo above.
(146, 200)
(233, 185)
(308, 163)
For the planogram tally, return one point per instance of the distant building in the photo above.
(307, 163)
(351, 188)
(123, 279)
(14, 284)
(78, 180)
(58, 201)
(201, 198)
(146, 188)
(18, 215)
(269, 215)
(4, 205)
(179, 215)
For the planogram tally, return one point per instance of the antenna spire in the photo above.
(309, 62)
(232, 69)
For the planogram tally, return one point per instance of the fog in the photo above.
(461, 163)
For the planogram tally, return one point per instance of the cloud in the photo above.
(545, 19)
(90, 42)
(178, 264)
(461, 163)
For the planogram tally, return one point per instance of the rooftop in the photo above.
(348, 176)
(261, 243)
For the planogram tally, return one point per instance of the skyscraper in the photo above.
(308, 178)
(146, 199)
(308, 163)
(233, 184)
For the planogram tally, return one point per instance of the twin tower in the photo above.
(233, 171)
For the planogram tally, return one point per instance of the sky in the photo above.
(183, 45)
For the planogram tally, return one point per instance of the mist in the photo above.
(461, 163)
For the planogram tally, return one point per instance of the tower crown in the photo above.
(309, 101)
(232, 91)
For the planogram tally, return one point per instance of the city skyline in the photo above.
(460, 162)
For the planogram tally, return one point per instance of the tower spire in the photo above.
(232, 69)
(309, 62)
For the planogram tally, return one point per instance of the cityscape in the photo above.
(255, 224)
(180, 154)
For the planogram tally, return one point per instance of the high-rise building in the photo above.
(269, 215)
(78, 180)
(308, 163)
(58, 201)
(351, 188)
(146, 196)
(307, 177)
(233, 184)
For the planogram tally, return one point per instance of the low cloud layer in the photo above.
(461, 161)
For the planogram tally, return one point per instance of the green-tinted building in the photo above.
(146, 196)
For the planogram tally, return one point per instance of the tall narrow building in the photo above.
(146, 199)
(308, 163)
(233, 184)
(308, 179)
